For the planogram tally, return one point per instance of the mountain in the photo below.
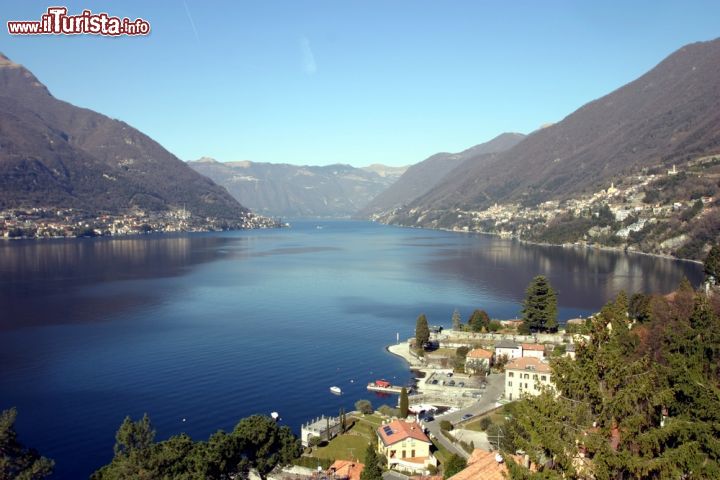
(298, 191)
(667, 116)
(54, 154)
(386, 171)
(422, 177)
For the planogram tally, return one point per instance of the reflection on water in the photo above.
(51, 281)
(214, 327)
(583, 278)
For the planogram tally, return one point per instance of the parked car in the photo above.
(451, 383)
(429, 418)
(449, 374)
(461, 384)
(467, 416)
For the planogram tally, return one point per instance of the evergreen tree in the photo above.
(17, 461)
(456, 320)
(479, 321)
(422, 332)
(454, 464)
(540, 306)
(404, 403)
(712, 264)
(372, 470)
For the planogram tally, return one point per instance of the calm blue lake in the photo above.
(215, 327)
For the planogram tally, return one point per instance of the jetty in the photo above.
(383, 386)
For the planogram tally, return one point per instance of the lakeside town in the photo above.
(46, 222)
(639, 212)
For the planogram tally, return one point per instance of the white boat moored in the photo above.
(336, 390)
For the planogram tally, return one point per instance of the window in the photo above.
(412, 453)
(509, 384)
(403, 455)
(511, 374)
(544, 378)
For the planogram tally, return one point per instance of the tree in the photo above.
(257, 442)
(454, 465)
(422, 332)
(639, 307)
(540, 306)
(404, 404)
(364, 406)
(372, 470)
(712, 264)
(479, 321)
(343, 421)
(456, 320)
(17, 461)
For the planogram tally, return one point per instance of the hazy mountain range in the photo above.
(667, 116)
(424, 176)
(54, 154)
(300, 191)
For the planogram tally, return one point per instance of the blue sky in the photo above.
(358, 82)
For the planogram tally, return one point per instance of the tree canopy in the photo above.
(479, 321)
(640, 401)
(257, 442)
(540, 306)
(422, 332)
(16, 460)
(712, 264)
(372, 470)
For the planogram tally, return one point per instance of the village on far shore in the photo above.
(448, 424)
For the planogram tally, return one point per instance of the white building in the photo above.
(508, 349)
(526, 376)
(536, 350)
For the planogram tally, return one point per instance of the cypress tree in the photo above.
(479, 321)
(456, 320)
(404, 403)
(422, 332)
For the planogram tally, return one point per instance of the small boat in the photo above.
(275, 416)
(336, 390)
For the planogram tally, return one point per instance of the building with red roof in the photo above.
(405, 446)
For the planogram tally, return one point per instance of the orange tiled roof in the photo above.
(479, 353)
(538, 347)
(528, 363)
(347, 469)
(399, 430)
(482, 465)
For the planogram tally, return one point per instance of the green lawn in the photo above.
(345, 447)
(497, 417)
(441, 453)
(374, 419)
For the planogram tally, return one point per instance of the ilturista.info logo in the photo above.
(56, 21)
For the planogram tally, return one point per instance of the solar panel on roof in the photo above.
(388, 431)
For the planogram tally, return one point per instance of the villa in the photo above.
(405, 446)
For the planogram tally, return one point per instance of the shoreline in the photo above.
(544, 244)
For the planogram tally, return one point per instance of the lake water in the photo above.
(215, 327)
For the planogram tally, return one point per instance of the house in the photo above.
(526, 375)
(345, 470)
(405, 446)
(536, 350)
(507, 349)
(484, 465)
(570, 350)
(478, 360)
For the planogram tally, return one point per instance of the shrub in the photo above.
(484, 423)
(446, 425)
(364, 406)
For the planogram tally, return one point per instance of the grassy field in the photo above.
(353, 443)
(497, 417)
(441, 453)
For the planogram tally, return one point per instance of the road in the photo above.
(495, 387)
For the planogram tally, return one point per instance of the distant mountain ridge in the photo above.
(422, 177)
(669, 115)
(276, 189)
(54, 154)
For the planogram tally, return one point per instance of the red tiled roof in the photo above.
(479, 353)
(538, 347)
(399, 430)
(528, 363)
(482, 465)
(347, 469)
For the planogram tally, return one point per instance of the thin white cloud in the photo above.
(308, 59)
(192, 23)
